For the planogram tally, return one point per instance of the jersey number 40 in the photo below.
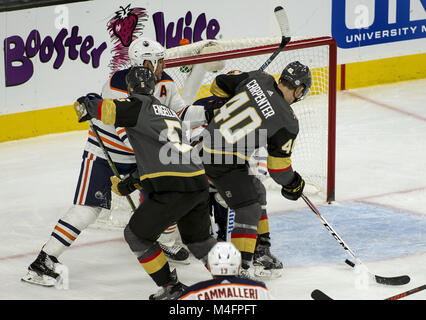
(240, 124)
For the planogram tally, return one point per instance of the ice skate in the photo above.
(247, 273)
(42, 271)
(266, 265)
(170, 291)
(176, 253)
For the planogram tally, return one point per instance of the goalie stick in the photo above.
(282, 20)
(319, 295)
(394, 281)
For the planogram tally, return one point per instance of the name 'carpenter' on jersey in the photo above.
(260, 98)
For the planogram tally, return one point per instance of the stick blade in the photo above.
(392, 281)
(350, 263)
(282, 20)
(319, 295)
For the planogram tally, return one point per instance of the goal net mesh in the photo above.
(310, 153)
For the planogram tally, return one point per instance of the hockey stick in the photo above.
(394, 281)
(407, 293)
(110, 162)
(384, 280)
(319, 295)
(230, 224)
(282, 20)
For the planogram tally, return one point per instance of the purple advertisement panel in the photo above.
(23, 52)
(19, 53)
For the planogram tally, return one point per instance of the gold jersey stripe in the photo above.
(108, 112)
(237, 154)
(218, 92)
(172, 174)
(275, 163)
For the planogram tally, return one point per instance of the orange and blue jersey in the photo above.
(227, 288)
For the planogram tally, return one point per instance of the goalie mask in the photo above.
(143, 49)
(140, 80)
(224, 259)
(296, 74)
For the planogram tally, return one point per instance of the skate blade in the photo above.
(43, 280)
(184, 262)
(262, 274)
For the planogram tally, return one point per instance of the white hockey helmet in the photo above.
(143, 49)
(224, 259)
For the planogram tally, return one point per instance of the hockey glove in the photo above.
(126, 186)
(214, 104)
(80, 107)
(220, 200)
(294, 190)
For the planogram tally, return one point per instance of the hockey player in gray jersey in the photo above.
(258, 114)
(93, 189)
(266, 265)
(177, 187)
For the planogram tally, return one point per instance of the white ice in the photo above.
(379, 212)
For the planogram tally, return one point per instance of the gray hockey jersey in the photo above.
(165, 161)
(256, 115)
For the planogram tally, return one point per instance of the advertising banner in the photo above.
(52, 55)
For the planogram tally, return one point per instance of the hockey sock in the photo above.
(69, 228)
(150, 256)
(244, 234)
(263, 225)
(155, 263)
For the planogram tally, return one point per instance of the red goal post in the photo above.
(320, 54)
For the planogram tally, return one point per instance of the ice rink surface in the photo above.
(379, 212)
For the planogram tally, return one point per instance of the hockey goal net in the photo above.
(193, 68)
